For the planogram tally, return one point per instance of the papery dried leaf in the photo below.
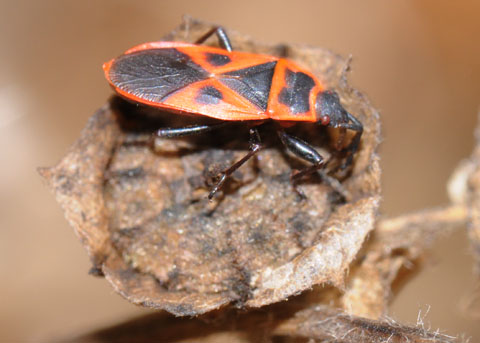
(162, 244)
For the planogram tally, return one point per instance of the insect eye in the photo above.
(325, 120)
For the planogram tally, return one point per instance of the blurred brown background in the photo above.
(418, 61)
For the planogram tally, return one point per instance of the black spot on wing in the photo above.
(155, 74)
(253, 83)
(217, 60)
(296, 94)
(208, 95)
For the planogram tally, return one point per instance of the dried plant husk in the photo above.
(143, 216)
(282, 322)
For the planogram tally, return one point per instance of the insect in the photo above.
(232, 86)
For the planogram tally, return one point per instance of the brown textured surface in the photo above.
(166, 246)
(397, 243)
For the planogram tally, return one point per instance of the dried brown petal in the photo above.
(145, 220)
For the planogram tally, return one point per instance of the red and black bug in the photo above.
(231, 86)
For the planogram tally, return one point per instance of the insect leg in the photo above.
(355, 125)
(306, 152)
(188, 130)
(222, 36)
(255, 146)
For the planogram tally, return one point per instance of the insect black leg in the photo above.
(306, 152)
(222, 36)
(188, 131)
(255, 146)
(354, 125)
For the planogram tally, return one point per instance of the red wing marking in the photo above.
(205, 57)
(213, 99)
(281, 111)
